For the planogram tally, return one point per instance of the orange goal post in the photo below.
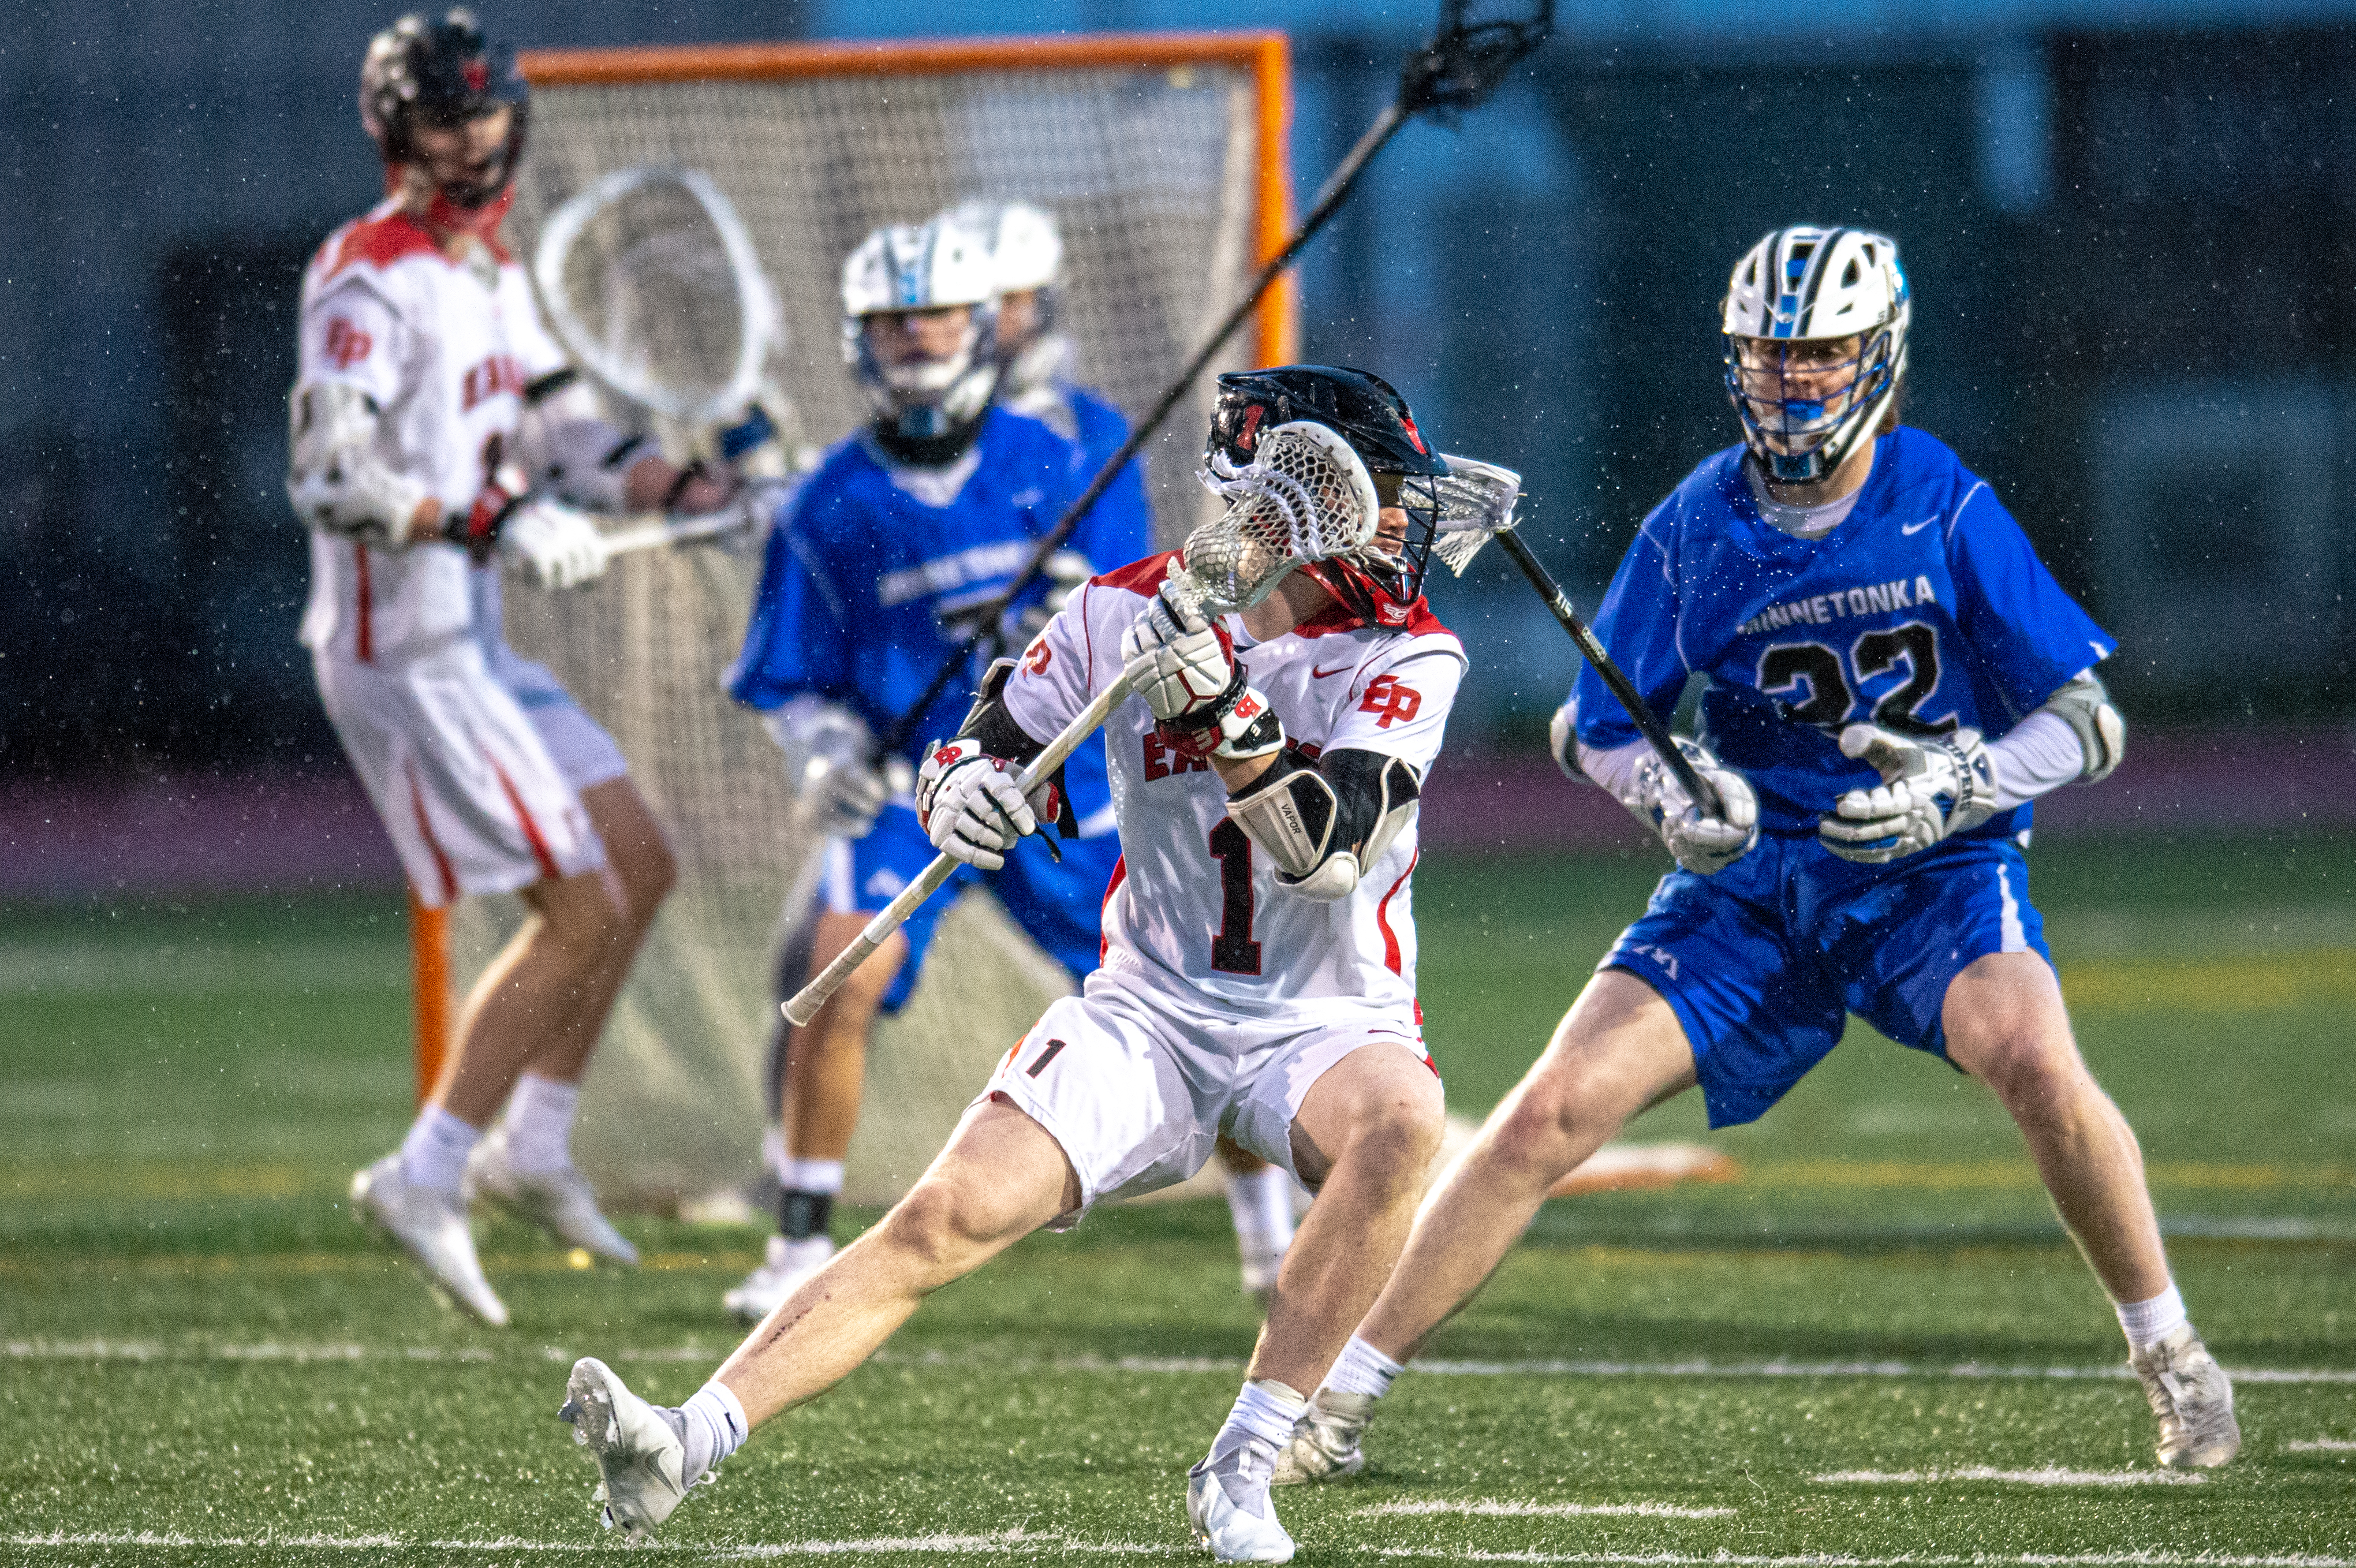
(1164, 159)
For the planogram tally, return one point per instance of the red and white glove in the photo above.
(1195, 686)
(969, 804)
(559, 548)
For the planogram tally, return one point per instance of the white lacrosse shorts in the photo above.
(585, 754)
(1136, 1086)
(464, 784)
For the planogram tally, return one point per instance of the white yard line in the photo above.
(1490, 1508)
(1902, 1559)
(2047, 1477)
(2321, 1445)
(333, 1351)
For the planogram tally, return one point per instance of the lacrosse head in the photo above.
(649, 282)
(1476, 504)
(1305, 496)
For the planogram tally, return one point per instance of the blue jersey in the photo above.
(1925, 610)
(1100, 429)
(859, 574)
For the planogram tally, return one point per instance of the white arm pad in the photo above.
(571, 452)
(336, 478)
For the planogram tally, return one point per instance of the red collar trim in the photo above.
(1417, 621)
(1143, 578)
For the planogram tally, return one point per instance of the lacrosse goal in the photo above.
(1164, 159)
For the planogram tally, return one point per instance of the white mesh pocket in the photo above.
(1304, 497)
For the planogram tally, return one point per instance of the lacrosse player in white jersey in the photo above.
(429, 412)
(1039, 376)
(1258, 976)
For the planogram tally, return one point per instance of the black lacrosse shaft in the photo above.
(1654, 731)
(1337, 186)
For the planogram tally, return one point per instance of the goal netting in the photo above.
(1163, 157)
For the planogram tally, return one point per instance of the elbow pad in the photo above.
(2084, 706)
(565, 449)
(1325, 823)
(337, 478)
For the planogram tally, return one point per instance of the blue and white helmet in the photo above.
(934, 266)
(1803, 413)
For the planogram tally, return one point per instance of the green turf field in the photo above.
(1851, 1356)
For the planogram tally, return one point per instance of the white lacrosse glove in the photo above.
(1193, 662)
(1702, 843)
(826, 749)
(969, 805)
(558, 547)
(1066, 572)
(1931, 787)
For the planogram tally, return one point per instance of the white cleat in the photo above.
(560, 1202)
(1324, 1445)
(784, 1266)
(2193, 1399)
(639, 1455)
(1228, 1508)
(431, 1227)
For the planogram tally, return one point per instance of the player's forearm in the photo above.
(2039, 755)
(658, 484)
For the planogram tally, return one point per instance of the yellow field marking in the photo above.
(2257, 984)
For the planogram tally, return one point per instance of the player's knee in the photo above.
(945, 1224)
(2027, 1066)
(1400, 1127)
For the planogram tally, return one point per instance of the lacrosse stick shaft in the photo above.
(806, 1002)
(673, 531)
(1655, 733)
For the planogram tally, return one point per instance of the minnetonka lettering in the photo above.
(1896, 594)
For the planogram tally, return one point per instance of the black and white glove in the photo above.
(557, 547)
(1931, 787)
(1195, 686)
(969, 805)
(1703, 843)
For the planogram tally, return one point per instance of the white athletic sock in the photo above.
(773, 1152)
(811, 1175)
(539, 1123)
(1261, 1203)
(712, 1426)
(1361, 1368)
(2148, 1322)
(1264, 1412)
(434, 1153)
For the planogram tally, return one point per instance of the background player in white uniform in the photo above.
(1038, 377)
(429, 407)
(1894, 677)
(1259, 968)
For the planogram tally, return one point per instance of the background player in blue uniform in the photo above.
(1037, 377)
(906, 526)
(1867, 615)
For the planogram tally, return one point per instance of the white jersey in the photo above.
(446, 349)
(1196, 910)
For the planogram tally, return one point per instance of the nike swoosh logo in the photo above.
(1918, 527)
(1317, 674)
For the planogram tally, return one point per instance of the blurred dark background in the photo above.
(2128, 230)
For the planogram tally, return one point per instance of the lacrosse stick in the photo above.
(1295, 503)
(1590, 647)
(1457, 69)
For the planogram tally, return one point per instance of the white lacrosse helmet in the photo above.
(1028, 252)
(934, 266)
(1803, 413)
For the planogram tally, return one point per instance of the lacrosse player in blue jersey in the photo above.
(873, 570)
(1893, 676)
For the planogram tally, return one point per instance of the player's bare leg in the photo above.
(1259, 1201)
(2006, 1025)
(1618, 1050)
(526, 1163)
(818, 1110)
(1001, 1177)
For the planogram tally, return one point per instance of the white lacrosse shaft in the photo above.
(675, 531)
(892, 916)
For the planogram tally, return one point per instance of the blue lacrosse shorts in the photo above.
(1763, 960)
(1060, 906)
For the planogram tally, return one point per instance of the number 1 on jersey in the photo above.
(1233, 950)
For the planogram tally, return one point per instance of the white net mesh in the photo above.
(1304, 497)
(1151, 173)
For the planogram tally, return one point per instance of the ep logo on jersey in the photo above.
(1392, 700)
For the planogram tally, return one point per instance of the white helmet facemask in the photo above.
(1814, 325)
(908, 268)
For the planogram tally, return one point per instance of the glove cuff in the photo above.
(1247, 728)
